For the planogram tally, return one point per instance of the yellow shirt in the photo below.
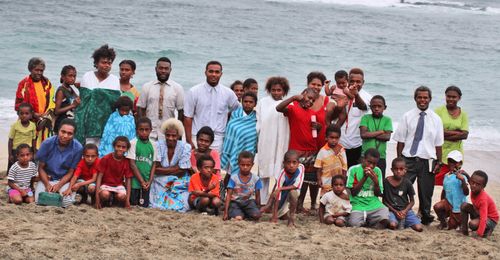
(40, 96)
(20, 134)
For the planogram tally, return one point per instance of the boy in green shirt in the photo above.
(365, 183)
(143, 154)
(376, 130)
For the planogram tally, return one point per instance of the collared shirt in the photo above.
(90, 81)
(59, 161)
(173, 99)
(351, 136)
(433, 133)
(210, 106)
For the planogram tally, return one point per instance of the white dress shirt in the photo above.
(433, 133)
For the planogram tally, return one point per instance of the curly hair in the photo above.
(282, 81)
(173, 124)
(103, 52)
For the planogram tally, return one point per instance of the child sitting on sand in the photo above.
(335, 203)
(365, 183)
(455, 191)
(21, 176)
(243, 191)
(483, 210)
(23, 131)
(330, 160)
(399, 198)
(85, 176)
(143, 155)
(120, 123)
(113, 169)
(204, 187)
(283, 199)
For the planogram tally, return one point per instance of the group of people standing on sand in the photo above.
(322, 140)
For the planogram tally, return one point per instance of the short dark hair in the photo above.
(310, 91)
(454, 88)
(249, 94)
(338, 177)
(143, 120)
(202, 158)
(68, 121)
(248, 82)
(121, 138)
(289, 154)
(28, 105)
(23, 146)
(357, 71)
(316, 75)
(245, 155)
(35, 61)
(333, 129)
(165, 59)
(236, 82)
(213, 62)
(90, 146)
(103, 52)
(379, 97)
(422, 89)
(483, 175)
(282, 81)
(129, 62)
(372, 152)
(341, 74)
(65, 70)
(206, 130)
(124, 101)
(397, 160)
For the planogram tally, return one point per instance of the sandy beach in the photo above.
(84, 232)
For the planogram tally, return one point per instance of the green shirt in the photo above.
(452, 123)
(144, 154)
(376, 124)
(366, 199)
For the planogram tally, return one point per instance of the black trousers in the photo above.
(353, 155)
(418, 169)
(382, 164)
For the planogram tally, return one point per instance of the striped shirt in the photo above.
(22, 176)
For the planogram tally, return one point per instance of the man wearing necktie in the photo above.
(420, 137)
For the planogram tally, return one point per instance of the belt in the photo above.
(416, 159)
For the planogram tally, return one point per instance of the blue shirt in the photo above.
(454, 192)
(243, 191)
(59, 161)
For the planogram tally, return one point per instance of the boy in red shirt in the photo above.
(113, 168)
(204, 187)
(85, 176)
(483, 211)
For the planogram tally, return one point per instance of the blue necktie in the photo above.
(418, 134)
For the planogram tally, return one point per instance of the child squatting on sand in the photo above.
(334, 206)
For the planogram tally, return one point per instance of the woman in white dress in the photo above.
(273, 133)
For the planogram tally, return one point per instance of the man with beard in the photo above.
(420, 138)
(161, 97)
(209, 104)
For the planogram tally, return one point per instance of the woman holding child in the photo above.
(169, 189)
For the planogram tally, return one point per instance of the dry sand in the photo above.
(31, 231)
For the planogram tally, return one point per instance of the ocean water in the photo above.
(399, 45)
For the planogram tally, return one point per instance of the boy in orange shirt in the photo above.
(204, 187)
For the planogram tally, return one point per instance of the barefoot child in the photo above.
(142, 155)
(330, 160)
(21, 176)
(113, 169)
(455, 192)
(335, 203)
(120, 123)
(399, 198)
(23, 131)
(376, 130)
(483, 211)
(85, 176)
(283, 200)
(66, 97)
(204, 187)
(366, 185)
(243, 191)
